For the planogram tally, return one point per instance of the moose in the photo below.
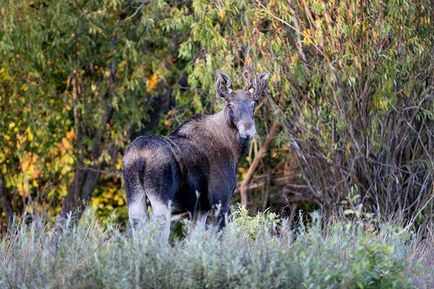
(194, 169)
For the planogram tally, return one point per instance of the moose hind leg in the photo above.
(136, 196)
(201, 219)
(161, 213)
(137, 211)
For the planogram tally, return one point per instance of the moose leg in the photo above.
(161, 214)
(201, 219)
(220, 192)
(137, 210)
(222, 216)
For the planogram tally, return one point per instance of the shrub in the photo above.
(92, 256)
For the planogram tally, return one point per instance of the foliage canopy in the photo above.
(351, 90)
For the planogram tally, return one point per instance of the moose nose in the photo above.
(246, 130)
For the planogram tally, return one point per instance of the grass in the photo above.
(251, 252)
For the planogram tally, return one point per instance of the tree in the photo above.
(87, 71)
(351, 86)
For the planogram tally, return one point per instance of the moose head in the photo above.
(241, 103)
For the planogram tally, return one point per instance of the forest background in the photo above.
(346, 127)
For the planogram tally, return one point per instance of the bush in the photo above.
(249, 253)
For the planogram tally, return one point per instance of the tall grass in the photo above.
(251, 252)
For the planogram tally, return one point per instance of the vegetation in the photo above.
(348, 123)
(249, 253)
(347, 128)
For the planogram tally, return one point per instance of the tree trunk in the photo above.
(79, 193)
(86, 178)
(5, 201)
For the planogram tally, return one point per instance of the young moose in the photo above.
(193, 169)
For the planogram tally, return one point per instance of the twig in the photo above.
(261, 153)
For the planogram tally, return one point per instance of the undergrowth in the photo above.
(251, 252)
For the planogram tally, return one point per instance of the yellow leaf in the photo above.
(30, 166)
(222, 13)
(25, 165)
(25, 87)
(151, 82)
(29, 134)
(118, 165)
(70, 135)
(65, 143)
(22, 188)
(294, 58)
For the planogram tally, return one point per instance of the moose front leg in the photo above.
(220, 214)
(220, 207)
(221, 187)
(223, 217)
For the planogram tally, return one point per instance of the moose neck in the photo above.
(227, 133)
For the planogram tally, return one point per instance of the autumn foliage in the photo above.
(351, 94)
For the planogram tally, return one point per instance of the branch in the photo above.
(297, 36)
(261, 153)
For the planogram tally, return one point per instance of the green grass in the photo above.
(252, 252)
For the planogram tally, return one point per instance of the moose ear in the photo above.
(223, 84)
(259, 85)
